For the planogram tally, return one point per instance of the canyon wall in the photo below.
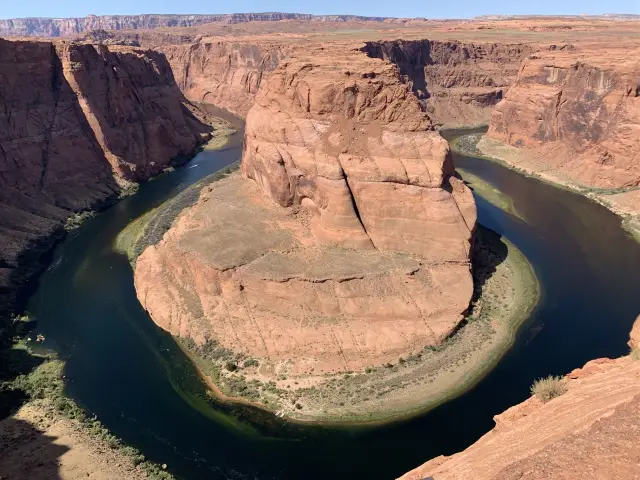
(459, 83)
(76, 118)
(61, 27)
(346, 245)
(226, 74)
(577, 111)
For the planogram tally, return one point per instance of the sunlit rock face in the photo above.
(345, 242)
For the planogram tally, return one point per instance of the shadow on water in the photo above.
(140, 385)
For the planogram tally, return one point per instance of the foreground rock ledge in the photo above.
(589, 432)
(345, 245)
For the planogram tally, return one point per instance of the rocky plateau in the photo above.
(349, 215)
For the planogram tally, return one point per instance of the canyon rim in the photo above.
(339, 273)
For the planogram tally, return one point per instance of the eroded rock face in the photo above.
(226, 74)
(77, 117)
(350, 142)
(579, 110)
(590, 431)
(346, 245)
(459, 83)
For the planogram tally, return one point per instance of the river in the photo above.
(134, 378)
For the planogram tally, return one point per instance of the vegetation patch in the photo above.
(149, 229)
(75, 220)
(549, 388)
(39, 380)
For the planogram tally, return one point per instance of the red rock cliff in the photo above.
(226, 74)
(591, 431)
(579, 111)
(74, 118)
(350, 244)
(459, 83)
(345, 137)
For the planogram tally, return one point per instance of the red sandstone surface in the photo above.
(591, 431)
(346, 245)
(578, 109)
(634, 341)
(76, 119)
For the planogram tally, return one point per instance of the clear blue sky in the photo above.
(389, 8)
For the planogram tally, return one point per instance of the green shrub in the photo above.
(548, 388)
(251, 362)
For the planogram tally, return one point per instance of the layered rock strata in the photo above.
(577, 111)
(349, 245)
(591, 431)
(76, 119)
(458, 82)
(226, 74)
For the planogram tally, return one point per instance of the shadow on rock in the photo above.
(489, 251)
(26, 452)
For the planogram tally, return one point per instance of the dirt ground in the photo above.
(36, 444)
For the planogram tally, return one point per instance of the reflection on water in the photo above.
(138, 382)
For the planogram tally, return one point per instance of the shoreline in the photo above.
(478, 145)
(47, 414)
(496, 344)
(49, 405)
(37, 252)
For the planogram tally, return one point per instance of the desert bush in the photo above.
(251, 362)
(548, 388)
(635, 353)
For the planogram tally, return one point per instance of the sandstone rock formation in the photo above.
(577, 110)
(77, 117)
(459, 83)
(226, 74)
(349, 248)
(592, 431)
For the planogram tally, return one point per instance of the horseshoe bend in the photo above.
(365, 255)
(344, 245)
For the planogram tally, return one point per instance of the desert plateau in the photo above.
(295, 245)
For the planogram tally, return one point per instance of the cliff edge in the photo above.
(591, 431)
(77, 120)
